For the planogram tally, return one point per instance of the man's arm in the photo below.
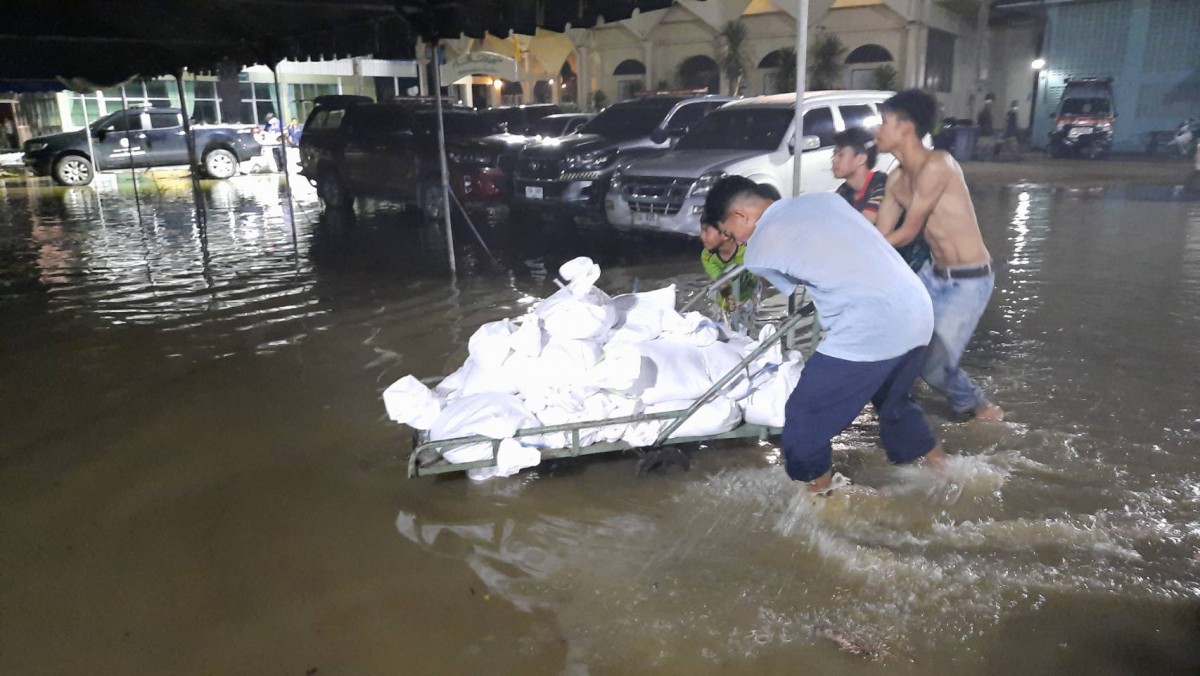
(890, 210)
(928, 187)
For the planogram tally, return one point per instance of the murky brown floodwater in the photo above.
(197, 477)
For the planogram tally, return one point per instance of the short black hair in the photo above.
(861, 140)
(725, 191)
(915, 106)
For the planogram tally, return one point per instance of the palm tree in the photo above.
(825, 62)
(785, 77)
(886, 78)
(732, 47)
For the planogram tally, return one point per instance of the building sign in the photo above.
(480, 63)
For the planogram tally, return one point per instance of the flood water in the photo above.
(197, 475)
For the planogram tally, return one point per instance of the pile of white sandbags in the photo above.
(583, 356)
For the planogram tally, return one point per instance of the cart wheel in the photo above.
(660, 459)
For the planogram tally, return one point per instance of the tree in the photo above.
(887, 78)
(732, 47)
(785, 77)
(826, 62)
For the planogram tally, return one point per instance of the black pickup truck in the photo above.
(139, 137)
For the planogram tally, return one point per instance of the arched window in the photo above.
(630, 67)
(863, 61)
(771, 63)
(869, 54)
(700, 72)
(772, 60)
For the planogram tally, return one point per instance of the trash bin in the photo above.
(963, 146)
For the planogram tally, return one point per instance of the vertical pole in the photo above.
(437, 93)
(193, 162)
(87, 129)
(129, 149)
(801, 75)
(287, 177)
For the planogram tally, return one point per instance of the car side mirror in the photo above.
(659, 135)
(807, 143)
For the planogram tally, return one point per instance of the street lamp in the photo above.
(498, 84)
(1039, 63)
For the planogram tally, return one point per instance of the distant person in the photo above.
(854, 158)
(721, 253)
(293, 133)
(1010, 121)
(10, 134)
(987, 127)
(878, 321)
(928, 190)
(274, 135)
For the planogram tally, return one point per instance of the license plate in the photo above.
(640, 218)
(533, 192)
(1080, 131)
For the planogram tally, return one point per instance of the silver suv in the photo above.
(750, 137)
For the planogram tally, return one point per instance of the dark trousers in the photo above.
(280, 157)
(831, 394)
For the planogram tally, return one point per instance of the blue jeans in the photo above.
(957, 306)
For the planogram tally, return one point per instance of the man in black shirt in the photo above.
(854, 156)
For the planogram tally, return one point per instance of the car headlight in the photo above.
(1104, 126)
(705, 183)
(618, 180)
(34, 146)
(597, 159)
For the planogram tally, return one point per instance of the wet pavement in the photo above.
(197, 476)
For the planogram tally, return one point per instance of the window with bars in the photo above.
(257, 100)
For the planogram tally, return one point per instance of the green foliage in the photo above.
(887, 78)
(826, 61)
(785, 78)
(732, 47)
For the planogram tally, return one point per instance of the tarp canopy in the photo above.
(109, 41)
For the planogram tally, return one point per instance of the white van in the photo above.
(751, 138)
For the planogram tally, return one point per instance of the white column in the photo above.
(422, 69)
(583, 79)
(648, 59)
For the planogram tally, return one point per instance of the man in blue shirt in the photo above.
(878, 317)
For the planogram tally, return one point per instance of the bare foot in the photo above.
(822, 485)
(935, 459)
(989, 411)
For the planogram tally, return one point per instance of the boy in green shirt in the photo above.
(720, 254)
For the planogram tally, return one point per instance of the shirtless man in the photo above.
(929, 190)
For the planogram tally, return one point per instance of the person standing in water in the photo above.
(877, 314)
(928, 189)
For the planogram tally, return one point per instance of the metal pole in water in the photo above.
(801, 73)
(129, 149)
(437, 93)
(193, 163)
(287, 178)
(87, 129)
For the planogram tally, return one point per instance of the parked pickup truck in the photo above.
(139, 137)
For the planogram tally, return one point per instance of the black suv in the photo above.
(353, 147)
(571, 175)
(519, 119)
(139, 137)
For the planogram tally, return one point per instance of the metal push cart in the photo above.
(428, 457)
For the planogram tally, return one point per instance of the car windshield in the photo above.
(547, 126)
(740, 128)
(464, 124)
(625, 121)
(106, 120)
(1086, 106)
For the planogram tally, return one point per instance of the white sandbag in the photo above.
(496, 416)
(481, 377)
(409, 402)
(491, 343)
(679, 371)
(563, 364)
(693, 328)
(765, 406)
(622, 369)
(640, 315)
(450, 387)
(580, 274)
(721, 358)
(528, 339)
(511, 457)
(606, 406)
(719, 415)
(577, 317)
